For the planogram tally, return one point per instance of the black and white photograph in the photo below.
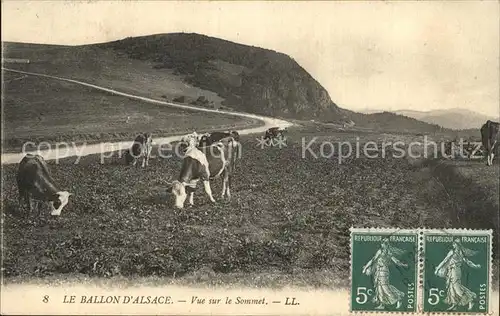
(215, 157)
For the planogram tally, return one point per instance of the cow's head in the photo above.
(187, 144)
(178, 191)
(187, 137)
(61, 199)
(190, 140)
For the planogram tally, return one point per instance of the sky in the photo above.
(420, 55)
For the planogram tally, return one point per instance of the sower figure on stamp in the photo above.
(451, 269)
(378, 266)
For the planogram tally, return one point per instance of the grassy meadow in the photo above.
(286, 225)
(42, 109)
(106, 68)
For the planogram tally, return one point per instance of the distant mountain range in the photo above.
(456, 119)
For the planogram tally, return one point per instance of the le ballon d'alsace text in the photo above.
(161, 300)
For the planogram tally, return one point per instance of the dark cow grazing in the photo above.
(34, 182)
(205, 164)
(489, 138)
(211, 138)
(274, 132)
(141, 147)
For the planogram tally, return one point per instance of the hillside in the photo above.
(390, 122)
(249, 78)
(456, 119)
(450, 118)
(41, 109)
(184, 67)
(105, 68)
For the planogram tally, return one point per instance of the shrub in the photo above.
(180, 99)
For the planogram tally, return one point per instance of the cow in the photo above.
(205, 164)
(489, 138)
(35, 182)
(211, 138)
(142, 146)
(274, 132)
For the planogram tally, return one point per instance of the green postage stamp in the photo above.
(417, 271)
(457, 271)
(384, 268)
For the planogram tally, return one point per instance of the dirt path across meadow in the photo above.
(10, 158)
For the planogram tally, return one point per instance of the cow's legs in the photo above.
(224, 183)
(223, 187)
(488, 157)
(492, 152)
(148, 155)
(191, 198)
(143, 161)
(21, 203)
(23, 199)
(208, 190)
(31, 202)
(228, 192)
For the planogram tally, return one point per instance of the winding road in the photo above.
(84, 150)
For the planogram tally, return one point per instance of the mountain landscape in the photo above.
(456, 119)
(392, 122)
(206, 71)
(250, 79)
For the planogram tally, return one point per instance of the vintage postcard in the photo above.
(250, 157)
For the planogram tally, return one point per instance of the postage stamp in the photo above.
(457, 271)
(384, 269)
